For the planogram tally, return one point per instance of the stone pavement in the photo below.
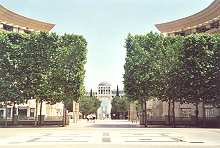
(109, 133)
(104, 124)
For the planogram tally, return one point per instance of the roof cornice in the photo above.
(10, 17)
(209, 13)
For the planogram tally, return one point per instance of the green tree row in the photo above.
(89, 105)
(42, 66)
(173, 69)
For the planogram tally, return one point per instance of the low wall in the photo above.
(213, 122)
(31, 122)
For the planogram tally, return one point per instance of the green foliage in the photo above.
(120, 104)
(88, 105)
(184, 69)
(138, 74)
(200, 68)
(117, 91)
(43, 66)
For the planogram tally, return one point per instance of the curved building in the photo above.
(10, 21)
(207, 20)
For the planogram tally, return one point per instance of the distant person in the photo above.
(93, 117)
(88, 117)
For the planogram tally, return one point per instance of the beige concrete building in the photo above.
(207, 20)
(27, 111)
(157, 109)
(10, 21)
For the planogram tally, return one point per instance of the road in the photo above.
(109, 134)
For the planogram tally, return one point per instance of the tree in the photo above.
(173, 69)
(90, 93)
(68, 75)
(41, 66)
(199, 69)
(119, 105)
(89, 105)
(35, 67)
(169, 78)
(117, 92)
(10, 81)
(140, 72)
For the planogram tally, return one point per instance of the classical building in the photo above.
(207, 20)
(105, 94)
(12, 22)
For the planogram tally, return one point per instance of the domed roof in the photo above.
(104, 84)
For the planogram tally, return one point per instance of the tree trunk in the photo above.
(145, 113)
(13, 114)
(203, 113)
(64, 115)
(173, 112)
(197, 113)
(169, 110)
(6, 115)
(36, 108)
(41, 103)
(142, 113)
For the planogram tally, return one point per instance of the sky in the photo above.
(105, 25)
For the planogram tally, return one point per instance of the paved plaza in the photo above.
(108, 133)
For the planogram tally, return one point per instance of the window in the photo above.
(27, 31)
(201, 29)
(7, 27)
(210, 112)
(9, 111)
(22, 113)
(214, 25)
(32, 110)
(1, 114)
(186, 112)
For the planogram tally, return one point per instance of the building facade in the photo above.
(27, 111)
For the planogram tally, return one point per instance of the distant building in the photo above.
(105, 91)
(105, 94)
(114, 92)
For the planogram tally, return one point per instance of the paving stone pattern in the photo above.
(94, 137)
